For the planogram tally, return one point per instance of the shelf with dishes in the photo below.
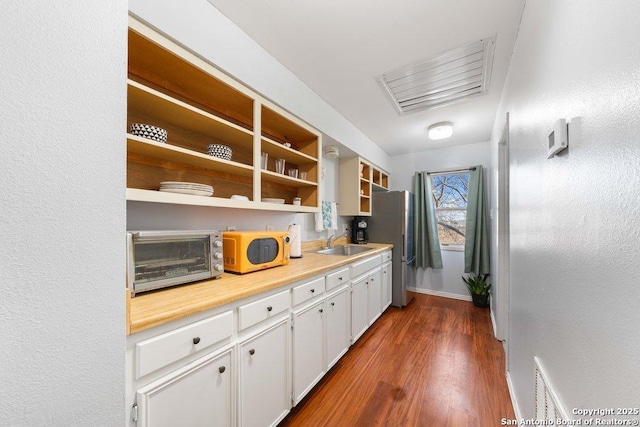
(187, 126)
(152, 196)
(206, 129)
(138, 147)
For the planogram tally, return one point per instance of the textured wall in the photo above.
(575, 219)
(62, 221)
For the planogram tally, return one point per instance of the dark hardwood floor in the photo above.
(433, 363)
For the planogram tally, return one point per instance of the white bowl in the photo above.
(151, 132)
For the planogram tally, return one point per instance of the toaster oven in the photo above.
(247, 251)
(158, 259)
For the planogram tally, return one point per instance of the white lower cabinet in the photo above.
(338, 331)
(386, 285)
(359, 307)
(264, 380)
(375, 295)
(308, 348)
(199, 394)
(366, 302)
(248, 363)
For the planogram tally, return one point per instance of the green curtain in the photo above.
(425, 226)
(476, 239)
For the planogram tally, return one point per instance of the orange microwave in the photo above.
(247, 251)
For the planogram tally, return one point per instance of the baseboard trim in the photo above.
(495, 327)
(514, 401)
(440, 294)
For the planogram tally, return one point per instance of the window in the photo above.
(450, 191)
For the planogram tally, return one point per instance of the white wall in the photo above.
(204, 29)
(447, 281)
(575, 219)
(62, 222)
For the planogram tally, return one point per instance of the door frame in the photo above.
(502, 303)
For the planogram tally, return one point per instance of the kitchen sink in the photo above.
(344, 250)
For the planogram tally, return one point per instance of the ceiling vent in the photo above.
(452, 76)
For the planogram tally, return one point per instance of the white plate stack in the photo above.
(192, 188)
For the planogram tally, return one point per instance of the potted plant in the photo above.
(479, 289)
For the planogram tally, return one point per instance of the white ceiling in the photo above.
(339, 47)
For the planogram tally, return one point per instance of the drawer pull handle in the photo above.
(196, 340)
(332, 304)
(252, 352)
(313, 290)
(340, 278)
(269, 308)
(321, 310)
(221, 369)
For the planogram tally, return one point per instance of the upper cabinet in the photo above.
(171, 88)
(358, 179)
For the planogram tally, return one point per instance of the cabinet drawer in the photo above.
(308, 290)
(362, 267)
(160, 351)
(338, 278)
(386, 257)
(263, 309)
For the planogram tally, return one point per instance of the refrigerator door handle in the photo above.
(404, 247)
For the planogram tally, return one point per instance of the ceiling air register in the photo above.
(452, 76)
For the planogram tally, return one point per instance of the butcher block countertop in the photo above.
(155, 308)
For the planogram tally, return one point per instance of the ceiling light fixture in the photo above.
(440, 130)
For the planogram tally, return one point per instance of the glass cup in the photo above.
(293, 173)
(264, 160)
(280, 166)
(303, 175)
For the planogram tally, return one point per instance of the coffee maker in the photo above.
(359, 230)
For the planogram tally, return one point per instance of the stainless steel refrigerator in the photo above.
(392, 222)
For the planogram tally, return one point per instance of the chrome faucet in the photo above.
(331, 239)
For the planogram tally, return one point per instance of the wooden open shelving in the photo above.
(379, 180)
(175, 89)
(358, 178)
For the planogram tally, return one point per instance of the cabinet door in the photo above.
(265, 396)
(308, 348)
(375, 295)
(200, 394)
(359, 304)
(386, 285)
(338, 325)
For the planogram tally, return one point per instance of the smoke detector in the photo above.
(331, 151)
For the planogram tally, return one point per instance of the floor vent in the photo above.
(452, 76)
(548, 405)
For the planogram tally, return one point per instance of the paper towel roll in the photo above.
(296, 241)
